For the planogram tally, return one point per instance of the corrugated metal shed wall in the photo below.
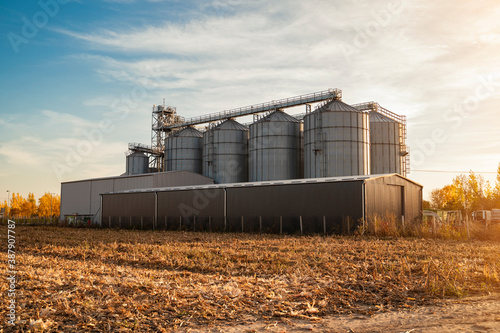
(135, 210)
(207, 205)
(336, 201)
(336, 206)
(75, 198)
(98, 187)
(395, 195)
(129, 183)
(82, 197)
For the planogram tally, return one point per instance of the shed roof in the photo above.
(271, 183)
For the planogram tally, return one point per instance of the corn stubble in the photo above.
(116, 280)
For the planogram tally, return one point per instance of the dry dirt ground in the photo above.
(474, 314)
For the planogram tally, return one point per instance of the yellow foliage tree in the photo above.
(16, 205)
(49, 205)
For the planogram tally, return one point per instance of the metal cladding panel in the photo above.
(128, 205)
(336, 143)
(99, 187)
(336, 199)
(225, 153)
(385, 148)
(275, 148)
(184, 153)
(75, 198)
(180, 178)
(133, 183)
(394, 195)
(189, 203)
(137, 163)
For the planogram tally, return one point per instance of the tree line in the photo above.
(18, 206)
(467, 193)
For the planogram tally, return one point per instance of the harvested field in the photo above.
(151, 281)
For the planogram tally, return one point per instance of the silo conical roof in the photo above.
(189, 132)
(231, 124)
(278, 115)
(337, 105)
(376, 117)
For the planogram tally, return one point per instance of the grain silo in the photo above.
(137, 163)
(336, 141)
(225, 153)
(386, 145)
(183, 151)
(275, 148)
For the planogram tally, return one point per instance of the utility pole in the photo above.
(8, 203)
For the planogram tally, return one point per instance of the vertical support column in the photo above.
(301, 227)
(260, 223)
(155, 217)
(281, 225)
(324, 224)
(242, 224)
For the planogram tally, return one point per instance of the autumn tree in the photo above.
(16, 204)
(28, 207)
(496, 192)
(445, 198)
(467, 193)
(49, 205)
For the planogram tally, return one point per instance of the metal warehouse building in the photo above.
(81, 198)
(320, 205)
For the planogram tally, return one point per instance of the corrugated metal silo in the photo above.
(385, 145)
(275, 148)
(336, 141)
(137, 163)
(225, 153)
(183, 151)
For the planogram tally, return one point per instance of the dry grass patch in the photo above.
(119, 280)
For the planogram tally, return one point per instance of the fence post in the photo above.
(301, 228)
(260, 223)
(324, 224)
(142, 222)
(194, 223)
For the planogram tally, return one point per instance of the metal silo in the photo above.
(225, 153)
(183, 151)
(336, 141)
(275, 148)
(386, 151)
(137, 163)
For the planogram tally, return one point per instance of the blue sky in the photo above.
(78, 78)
